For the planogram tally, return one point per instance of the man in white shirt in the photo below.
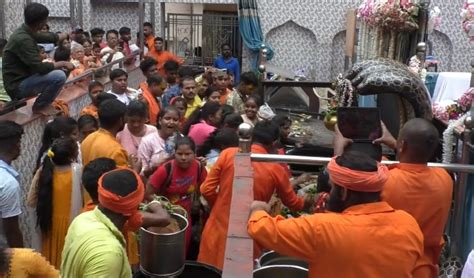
(113, 51)
(10, 191)
(120, 87)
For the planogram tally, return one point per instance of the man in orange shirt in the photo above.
(95, 88)
(217, 190)
(162, 56)
(363, 237)
(152, 96)
(103, 142)
(149, 35)
(423, 192)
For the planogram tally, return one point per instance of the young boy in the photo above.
(90, 177)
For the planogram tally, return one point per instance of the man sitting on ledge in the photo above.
(24, 74)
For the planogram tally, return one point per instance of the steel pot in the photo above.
(163, 255)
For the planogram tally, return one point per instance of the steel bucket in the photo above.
(163, 255)
(273, 258)
(281, 271)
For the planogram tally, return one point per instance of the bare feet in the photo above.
(2, 104)
(47, 111)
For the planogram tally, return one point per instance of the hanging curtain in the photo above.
(251, 30)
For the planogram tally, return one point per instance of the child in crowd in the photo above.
(230, 80)
(233, 121)
(158, 147)
(171, 75)
(180, 104)
(90, 178)
(62, 54)
(203, 122)
(95, 88)
(202, 84)
(212, 94)
(284, 122)
(221, 83)
(59, 196)
(252, 104)
(86, 124)
(179, 180)
(135, 128)
(59, 127)
(218, 141)
(152, 95)
(87, 44)
(42, 53)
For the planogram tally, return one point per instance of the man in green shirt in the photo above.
(95, 245)
(24, 74)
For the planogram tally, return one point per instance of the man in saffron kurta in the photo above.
(423, 192)
(152, 95)
(162, 56)
(268, 178)
(103, 142)
(362, 237)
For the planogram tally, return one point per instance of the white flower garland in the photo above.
(448, 137)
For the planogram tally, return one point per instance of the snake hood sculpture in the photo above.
(381, 76)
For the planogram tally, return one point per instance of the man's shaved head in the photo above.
(418, 139)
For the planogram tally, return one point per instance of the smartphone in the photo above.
(361, 124)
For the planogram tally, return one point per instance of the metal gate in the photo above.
(198, 38)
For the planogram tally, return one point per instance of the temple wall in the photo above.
(323, 21)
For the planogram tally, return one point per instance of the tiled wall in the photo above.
(325, 19)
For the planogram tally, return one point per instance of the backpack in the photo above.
(169, 173)
(196, 204)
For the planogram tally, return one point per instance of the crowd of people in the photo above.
(176, 136)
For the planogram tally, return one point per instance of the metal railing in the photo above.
(89, 72)
(316, 160)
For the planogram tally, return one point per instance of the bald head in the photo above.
(418, 141)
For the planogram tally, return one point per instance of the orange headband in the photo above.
(126, 205)
(358, 180)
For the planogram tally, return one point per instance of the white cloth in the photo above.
(468, 270)
(117, 55)
(126, 97)
(10, 196)
(76, 195)
(133, 48)
(451, 86)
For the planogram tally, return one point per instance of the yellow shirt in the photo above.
(94, 247)
(196, 104)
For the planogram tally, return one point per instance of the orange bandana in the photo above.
(358, 180)
(127, 205)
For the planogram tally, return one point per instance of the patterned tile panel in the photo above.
(303, 42)
(57, 8)
(13, 15)
(327, 18)
(107, 16)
